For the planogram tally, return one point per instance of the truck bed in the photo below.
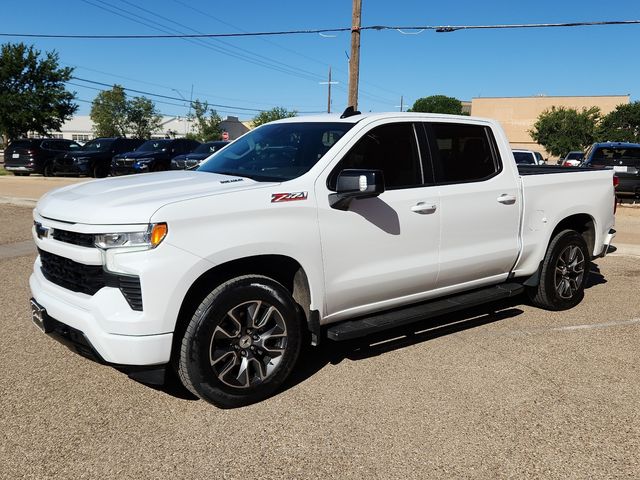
(547, 169)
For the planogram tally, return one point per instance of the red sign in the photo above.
(225, 135)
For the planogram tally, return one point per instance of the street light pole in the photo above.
(354, 59)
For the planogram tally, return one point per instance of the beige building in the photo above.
(518, 114)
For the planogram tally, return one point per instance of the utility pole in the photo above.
(329, 83)
(354, 60)
(402, 103)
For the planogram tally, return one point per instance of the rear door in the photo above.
(479, 205)
(383, 251)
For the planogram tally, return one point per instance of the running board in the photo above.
(379, 322)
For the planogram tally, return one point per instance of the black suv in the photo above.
(623, 158)
(35, 155)
(195, 158)
(151, 156)
(94, 158)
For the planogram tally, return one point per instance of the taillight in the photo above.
(616, 182)
(566, 164)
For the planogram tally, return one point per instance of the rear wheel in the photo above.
(100, 171)
(47, 171)
(242, 342)
(21, 174)
(564, 273)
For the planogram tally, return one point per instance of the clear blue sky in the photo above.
(259, 73)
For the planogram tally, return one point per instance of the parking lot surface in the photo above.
(504, 391)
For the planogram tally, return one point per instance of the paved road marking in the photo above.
(18, 249)
(598, 325)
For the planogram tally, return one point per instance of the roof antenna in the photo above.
(349, 112)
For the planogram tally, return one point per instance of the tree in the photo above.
(207, 122)
(109, 113)
(437, 104)
(622, 124)
(276, 113)
(33, 97)
(560, 130)
(114, 115)
(142, 117)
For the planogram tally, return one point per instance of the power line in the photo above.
(437, 28)
(168, 97)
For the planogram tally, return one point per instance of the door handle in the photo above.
(424, 208)
(507, 199)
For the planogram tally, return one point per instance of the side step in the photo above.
(378, 322)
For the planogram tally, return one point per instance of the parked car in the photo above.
(573, 159)
(35, 155)
(94, 157)
(151, 156)
(333, 227)
(623, 158)
(195, 158)
(528, 157)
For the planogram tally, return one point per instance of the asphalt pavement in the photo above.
(504, 391)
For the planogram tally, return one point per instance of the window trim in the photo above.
(435, 152)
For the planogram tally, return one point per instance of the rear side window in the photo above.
(391, 148)
(463, 153)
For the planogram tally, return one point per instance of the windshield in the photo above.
(97, 145)
(626, 156)
(523, 158)
(208, 147)
(277, 152)
(154, 146)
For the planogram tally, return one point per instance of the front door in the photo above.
(383, 251)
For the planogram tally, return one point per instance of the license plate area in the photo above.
(39, 316)
(15, 155)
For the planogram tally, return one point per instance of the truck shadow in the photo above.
(313, 359)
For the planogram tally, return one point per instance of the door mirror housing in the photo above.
(353, 184)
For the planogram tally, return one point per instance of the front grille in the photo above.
(88, 279)
(71, 275)
(124, 162)
(81, 239)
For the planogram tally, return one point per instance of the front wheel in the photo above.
(564, 273)
(241, 343)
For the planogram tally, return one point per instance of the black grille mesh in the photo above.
(88, 279)
(81, 239)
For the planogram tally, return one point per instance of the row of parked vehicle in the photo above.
(103, 156)
(622, 157)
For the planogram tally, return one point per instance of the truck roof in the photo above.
(335, 117)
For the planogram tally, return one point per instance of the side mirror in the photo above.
(354, 184)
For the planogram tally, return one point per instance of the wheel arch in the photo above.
(582, 223)
(281, 268)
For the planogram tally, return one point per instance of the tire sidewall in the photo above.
(212, 310)
(559, 244)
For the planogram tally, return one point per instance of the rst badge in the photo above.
(288, 197)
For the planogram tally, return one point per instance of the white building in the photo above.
(80, 128)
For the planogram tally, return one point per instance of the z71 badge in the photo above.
(288, 197)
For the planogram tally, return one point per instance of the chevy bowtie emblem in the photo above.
(42, 232)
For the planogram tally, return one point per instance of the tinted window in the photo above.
(276, 152)
(98, 145)
(616, 156)
(574, 156)
(464, 153)
(155, 146)
(390, 148)
(539, 157)
(524, 158)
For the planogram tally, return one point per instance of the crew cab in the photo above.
(328, 228)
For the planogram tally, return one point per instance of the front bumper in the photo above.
(71, 169)
(116, 171)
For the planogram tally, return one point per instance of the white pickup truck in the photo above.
(311, 227)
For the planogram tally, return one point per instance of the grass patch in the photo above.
(3, 171)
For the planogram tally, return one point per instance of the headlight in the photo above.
(144, 161)
(82, 159)
(148, 239)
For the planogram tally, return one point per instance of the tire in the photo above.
(21, 174)
(159, 167)
(47, 171)
(564, 272)
(242, 342)
(100, 171)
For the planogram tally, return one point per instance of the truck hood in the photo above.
(133, 199)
